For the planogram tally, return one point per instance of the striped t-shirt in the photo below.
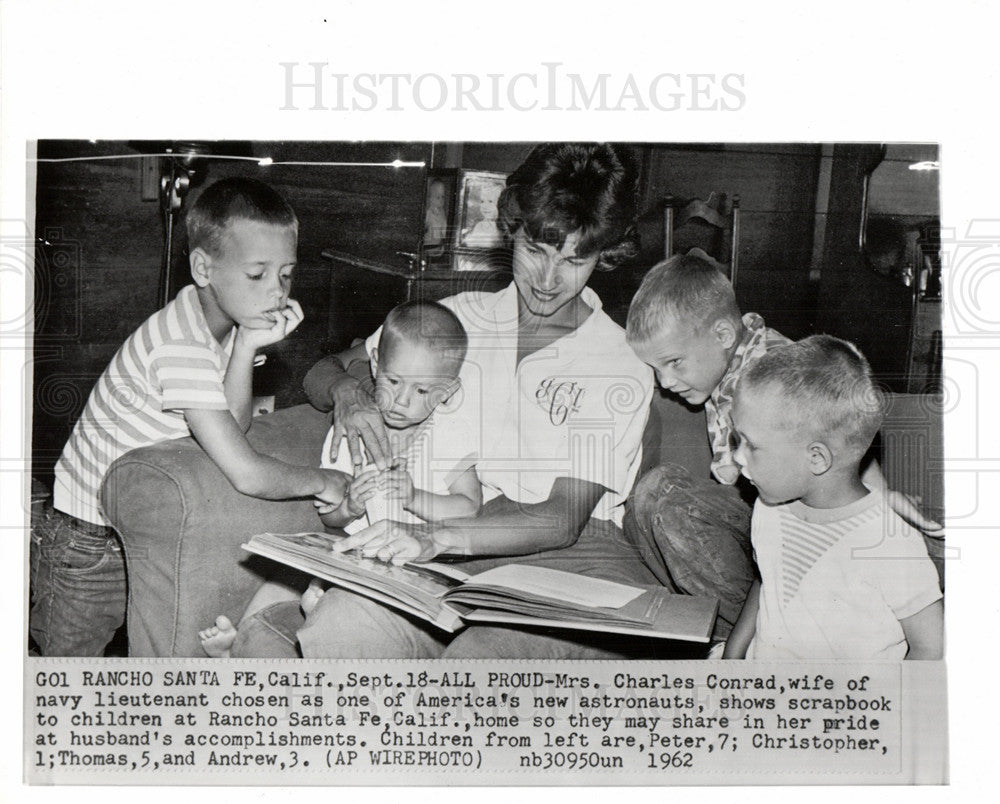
(168, 365)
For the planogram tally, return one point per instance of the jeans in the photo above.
(694, 535)
(78, 588)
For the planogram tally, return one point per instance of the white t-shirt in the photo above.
(576, 408)
(836, 582)
(428, 472)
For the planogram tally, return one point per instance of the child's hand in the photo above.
(908, 508)
(362, 488)
(335, 486)
(397, 483)
(284, 320)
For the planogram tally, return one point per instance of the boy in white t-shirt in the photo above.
(415, 369)
(842, 576)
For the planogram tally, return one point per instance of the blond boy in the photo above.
(842, 576)
(694, 533)
(415, 368)
(186, 371)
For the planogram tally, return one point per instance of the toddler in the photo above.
(415, 369)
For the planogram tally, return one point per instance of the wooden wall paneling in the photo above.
(503, 157)
(777, 188)
(91, 302)
(854, 302)
(97, 257)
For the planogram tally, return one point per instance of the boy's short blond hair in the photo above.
(429, 324)
(686, 288)
(828, 387)
(232, 199)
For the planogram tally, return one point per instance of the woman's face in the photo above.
(548, 279)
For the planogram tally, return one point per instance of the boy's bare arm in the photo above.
(924, 632)
(255, 474)
(360, 489)
(746, 625)
(339, 517)
(464, 500)
(238, 384)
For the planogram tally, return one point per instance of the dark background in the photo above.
(99, 250)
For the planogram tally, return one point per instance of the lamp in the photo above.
(185, 166)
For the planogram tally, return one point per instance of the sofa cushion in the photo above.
(182, 524)
(675, 433)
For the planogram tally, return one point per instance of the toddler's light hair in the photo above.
(687, 289)
(827, 387)
(429, 324)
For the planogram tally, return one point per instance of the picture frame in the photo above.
(460, 220)
(440, 193)
(479, 194)
(478, 243)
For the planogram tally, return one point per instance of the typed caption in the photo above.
(224, 722)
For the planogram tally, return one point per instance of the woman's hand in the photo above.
(393, 542)
(356, 416)
(908, 509)
(906, 506)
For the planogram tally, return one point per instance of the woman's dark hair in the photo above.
(565, 187)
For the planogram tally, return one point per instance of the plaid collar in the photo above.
(719, 406)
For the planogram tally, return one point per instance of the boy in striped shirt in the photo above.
(186, 371)
(842, 576)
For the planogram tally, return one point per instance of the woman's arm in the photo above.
(329, 386)
(323, 380)
(504, 528)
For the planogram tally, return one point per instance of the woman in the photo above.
(559, 403)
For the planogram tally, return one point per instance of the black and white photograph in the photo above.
(135, 501)
(614, 447)
(439, 205)
(581, 421)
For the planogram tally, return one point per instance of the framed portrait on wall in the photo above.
(440, 192)
(478, 243)
(460, 220)
(479, 193)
